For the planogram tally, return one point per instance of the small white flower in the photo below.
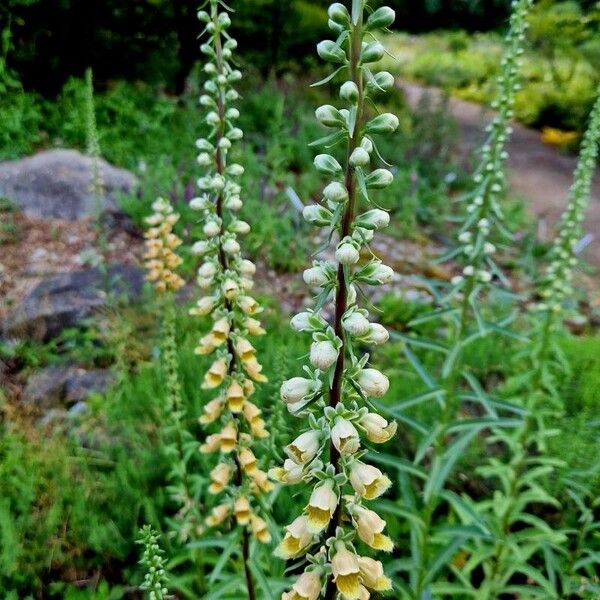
(377, 428)
(335, 192)
(323, 355)
(200, 203)
(207, 270)
(200, 247)
(359, 157)
(247, 267)
(382, 273)
(231, 246)
(211, 228)
(240, 227)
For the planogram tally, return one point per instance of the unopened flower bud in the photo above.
(323, 355)
(373, 383)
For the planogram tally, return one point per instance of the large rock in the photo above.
(52, 387)
(57, 184)
(61, 302)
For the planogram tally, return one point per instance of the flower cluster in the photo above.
(160, 257)
(154, 561)
(557, 284)
(334, 393)
(484, 210)
(226, 278)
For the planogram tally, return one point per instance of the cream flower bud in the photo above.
(382, 274)
(247, 267)
(296, 389)
(218, 515)
(323, 354)
(307, 587)
(201, 203)
(240, 227)
(356, 324)
(347, 253)
(248, 305)
(254, 327)
(305, 447)
(315, 277)
(207, 270)
(378, 334)
(372, 574)
(374, 219)
(373, 383)
(289, 473)
(321, 506)
(346, 572)
(316, 214)
(297, 538)
(231, 246)
(230, 288)
(359, 157)
(335, 192)
(211, 228)
(204, 306)
(345, 437)
(234, 203)
(301, 321)
(368, 481)
(379, 179)
(377, 428)
(201, 247)
(204, 159)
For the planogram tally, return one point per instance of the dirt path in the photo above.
(537, 172)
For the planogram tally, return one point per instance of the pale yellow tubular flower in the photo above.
(368, 481)
(218, 515)
(259, 529)
(228, 437)
(346, 573)
(247, 461)
(215, 375)
(220, 477)
(260, 482)
(220, 331)
(254, 327)
(377, 428)
(345, 437)
(372, 575)
(305, 447)
(235, 397)
(211, 444)
(296, 540)
(289, 473)
(321, 506)
(212, 411)
(307, 587)
(241, 510)
(370, 526)
(205, 346)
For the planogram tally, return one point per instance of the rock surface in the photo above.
(50, 388)
(56, 184)
(61, 302)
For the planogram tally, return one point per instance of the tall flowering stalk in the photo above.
(226, 278)
(162, 261)
(522, 477)
(333, 397)
(156, 577)
(460, 314)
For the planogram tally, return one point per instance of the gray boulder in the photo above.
(52, 387)
(62, 302)
(57, 184)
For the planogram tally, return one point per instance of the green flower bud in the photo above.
(371, 53)
(379, 178)
(338, 13)
(335, 192)
(380, 19)
(382, 81)
(384, 123)
(326, 164)
(330, 116)
(317, 215)
(373, 219)
(367, 144)
(349, 92)
(331, 52)
(335, 27)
